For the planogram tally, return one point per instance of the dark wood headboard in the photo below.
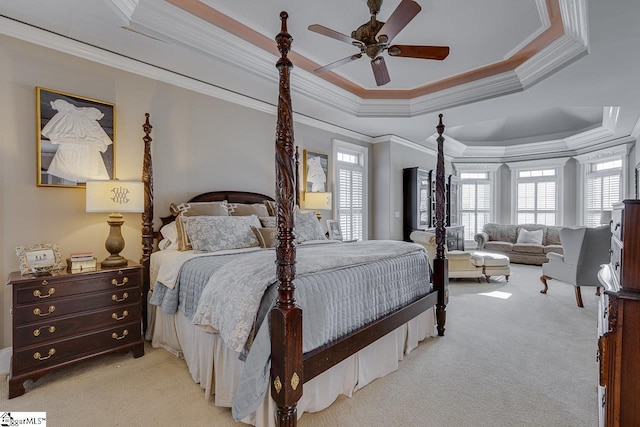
(218, 196)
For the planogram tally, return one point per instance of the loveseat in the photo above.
(523, 243)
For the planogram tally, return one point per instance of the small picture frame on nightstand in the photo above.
(333, 227)
(39, 259)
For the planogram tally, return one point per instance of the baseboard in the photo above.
(5, 359)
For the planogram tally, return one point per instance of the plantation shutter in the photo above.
(351, 201)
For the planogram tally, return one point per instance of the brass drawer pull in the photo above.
(124, 297)
(51, 329)
(116, 317)
(38, 294)
(115, 282)
(38, 312)
(116, 337)
(38, 356)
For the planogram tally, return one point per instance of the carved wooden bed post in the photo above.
(440, 262)
(147, 217)
(286, 316)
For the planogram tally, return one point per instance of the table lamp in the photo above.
(317, 202)
(116, 197)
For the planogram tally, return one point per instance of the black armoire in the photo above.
(418, 198)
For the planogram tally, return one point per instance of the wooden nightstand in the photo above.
(65, 318)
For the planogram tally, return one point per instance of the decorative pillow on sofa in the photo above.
(216, 233)
(195, 209)
(267, 237)
(242, 209)
(534, 237)
(307, 227)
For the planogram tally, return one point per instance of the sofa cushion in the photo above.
(499, 246)
(553, 249)
(535, 227)
(529, 248)
(501, 232)
(526, 236)
(553, 235)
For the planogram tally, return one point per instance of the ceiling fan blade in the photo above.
(425, 52)
(404, 13)
(338, 63)
(334, 34)
(380, 71)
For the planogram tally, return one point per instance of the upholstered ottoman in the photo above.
(494, 264)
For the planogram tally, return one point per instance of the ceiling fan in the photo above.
(373, 38)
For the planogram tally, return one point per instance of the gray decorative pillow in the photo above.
(269, 221)
(216, 233)
(268, 237)
(534, 237)
(307, 227)
(195, 209)
(242, 209)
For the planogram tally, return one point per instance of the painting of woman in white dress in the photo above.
(75, 141)
(315, 171)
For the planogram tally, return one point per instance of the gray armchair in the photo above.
(584, 250)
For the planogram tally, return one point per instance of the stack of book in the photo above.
(82, 261)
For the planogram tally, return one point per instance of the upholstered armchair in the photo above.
(461, 264)
(584, 250)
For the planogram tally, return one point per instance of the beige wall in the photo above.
(199, 144)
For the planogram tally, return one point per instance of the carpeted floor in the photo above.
(510, 357)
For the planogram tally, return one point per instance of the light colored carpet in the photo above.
(527, 360)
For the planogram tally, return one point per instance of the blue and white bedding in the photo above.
(339, 286)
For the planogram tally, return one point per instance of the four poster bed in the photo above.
(235, 318)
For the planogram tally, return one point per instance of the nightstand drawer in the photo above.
(616, 223)
(49, 288)
(62, 327)
(57, 308)
(57, 352)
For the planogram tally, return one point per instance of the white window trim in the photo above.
(336, 144)
(491, 168)
(557, 164)
(612, 153)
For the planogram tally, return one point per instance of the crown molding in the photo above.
(622, 149)
(524, 164)
(394, 139)
(476, 167)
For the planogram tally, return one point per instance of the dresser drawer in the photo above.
(60, 286)
(55, 308)
(62, 327)
(57, 352)
(616, 260)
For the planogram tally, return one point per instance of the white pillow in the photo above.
(307, 227)
(534, 237)
(216, 233)
(169, 233)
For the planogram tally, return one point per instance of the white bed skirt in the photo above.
(217, 368)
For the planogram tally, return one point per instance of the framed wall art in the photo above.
(316, 171)
(333, 227)
(75, 139)
(42, 258)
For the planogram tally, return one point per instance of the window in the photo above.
(603, 189)
(537, 197)
(476, 202)
(351, 189)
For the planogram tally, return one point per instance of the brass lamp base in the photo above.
(114, 243)
(114, 261)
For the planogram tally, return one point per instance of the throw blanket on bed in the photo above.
(230, 300)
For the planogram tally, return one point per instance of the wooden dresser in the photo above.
(66, 318)
(619, 321)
